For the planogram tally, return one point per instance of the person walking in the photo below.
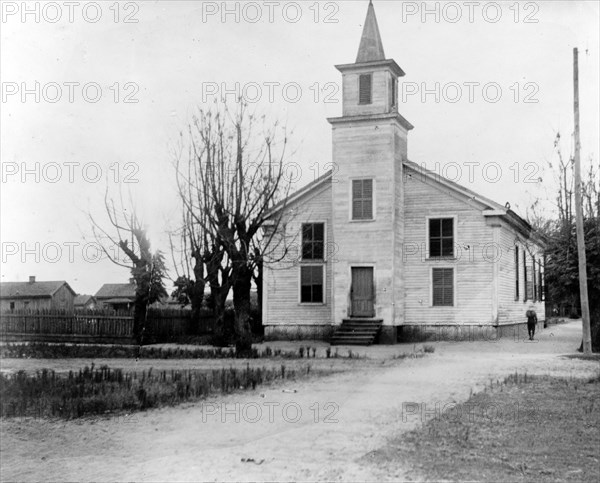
(531, 321)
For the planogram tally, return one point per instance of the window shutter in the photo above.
(365, 88)
(362, 199)
(516, 273)
(526, 282)
(443, 286)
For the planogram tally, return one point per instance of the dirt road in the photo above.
(317, 433)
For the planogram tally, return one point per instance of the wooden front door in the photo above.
(362, 295)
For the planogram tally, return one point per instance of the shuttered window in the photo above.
(441, 237)
(534, 277)
(526, 283)
(516, 273)
(541, 284)
(311, 282)
(362, 199)
(365, 89)
(443, 287)
(313, 241)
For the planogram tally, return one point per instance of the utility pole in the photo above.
(583, 290)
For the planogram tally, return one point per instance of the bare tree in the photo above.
(125, 231)
(233, 176)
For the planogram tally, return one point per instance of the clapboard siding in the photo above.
(512, 311)
(282, 278)
(368, 149)
(380, 93)
(473, 273)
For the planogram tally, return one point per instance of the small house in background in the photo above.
(169, 303)
(33, 295)
(116, 296)
(85, 302)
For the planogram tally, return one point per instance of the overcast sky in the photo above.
(116, 85)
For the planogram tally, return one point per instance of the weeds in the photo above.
(39, 350)
(93, 391)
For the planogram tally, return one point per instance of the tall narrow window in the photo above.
(534, 278)
(362, 199)
(443, 287)
(394, 92)
(525, 284)
(541, 282)
(441, 237)
(365, 89)
(516, 273)
(311, 282)
(313, 241)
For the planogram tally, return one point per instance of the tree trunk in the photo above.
(259, 287)
(139, 319)
(242, 306)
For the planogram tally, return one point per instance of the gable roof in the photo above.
(83, 299)
(466, 192)
(306, 190)
(116, 290)
(488, 206)
(31, 289)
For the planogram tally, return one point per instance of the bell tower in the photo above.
(369, 147)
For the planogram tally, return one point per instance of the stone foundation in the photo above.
(388, 335)
(298, 332)
(464, 333)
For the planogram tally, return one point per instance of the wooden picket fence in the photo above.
(99, 327)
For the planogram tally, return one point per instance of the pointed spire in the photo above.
(371, 47)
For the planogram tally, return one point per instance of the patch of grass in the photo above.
(39, 350)
(523, 428)
(93, 391)
(428, 349)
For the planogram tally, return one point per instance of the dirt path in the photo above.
(317, 433)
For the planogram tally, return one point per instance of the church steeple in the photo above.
(371, 47)
(370, 85)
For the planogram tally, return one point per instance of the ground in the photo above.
(318, 429)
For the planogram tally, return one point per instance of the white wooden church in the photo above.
(388, 247)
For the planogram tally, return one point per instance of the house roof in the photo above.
(31, 289)
(116, 290)
(118, 300)
(306, 190)
(488, 206)
(83, 299)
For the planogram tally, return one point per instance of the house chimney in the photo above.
(31, 278)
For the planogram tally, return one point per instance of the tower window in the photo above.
(394, 92)
(362, 199)
(365, 89)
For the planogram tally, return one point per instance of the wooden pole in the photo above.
(583, 290)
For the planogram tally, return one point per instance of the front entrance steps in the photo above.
(357, 331)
